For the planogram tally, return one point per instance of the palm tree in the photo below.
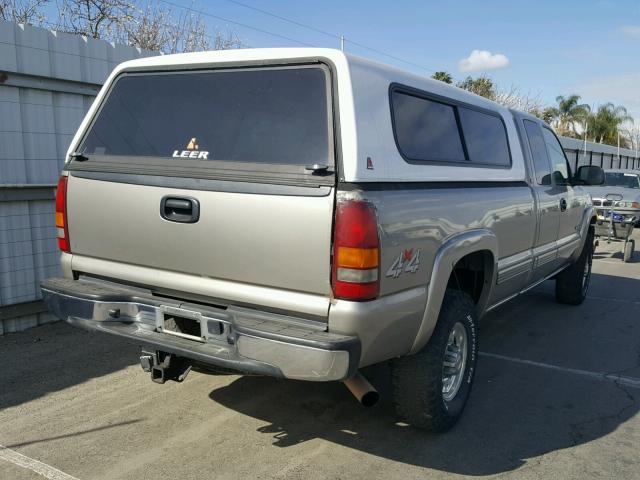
(481, 85)
(605, 124)
(548, 114)
(443, 77)
(568, 113)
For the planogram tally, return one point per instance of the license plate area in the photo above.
(191, 324)
(182, 327)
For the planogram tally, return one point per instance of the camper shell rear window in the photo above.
(256, 119)
(430, 129)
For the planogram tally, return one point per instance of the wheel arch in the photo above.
(479, 242)
(589, 218)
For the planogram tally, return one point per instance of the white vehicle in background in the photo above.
(619, 182)
(617, 203)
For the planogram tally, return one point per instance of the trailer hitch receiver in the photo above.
(165, 366)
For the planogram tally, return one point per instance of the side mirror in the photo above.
(589, 175)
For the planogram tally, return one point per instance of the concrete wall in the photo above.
(47, 82)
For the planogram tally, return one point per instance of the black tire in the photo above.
(418, 379)
(629, 247)
(572, 283)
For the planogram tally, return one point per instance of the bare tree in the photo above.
(156, 28)
(95, 18)
(227, 41)
(189, 34)
(513, 97)
(23, 11)
(630, 132)
(149, 29)
(139, 23)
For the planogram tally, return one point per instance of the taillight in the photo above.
(635, 204)
(356, 256)
(62, 222)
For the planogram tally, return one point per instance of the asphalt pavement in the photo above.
(556, 395)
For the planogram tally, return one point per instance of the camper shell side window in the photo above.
(430, 129)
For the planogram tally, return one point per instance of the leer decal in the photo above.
(192, 151)
(408, 261)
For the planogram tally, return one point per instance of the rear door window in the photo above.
(559, 164)
(538, 148)
(261, 116)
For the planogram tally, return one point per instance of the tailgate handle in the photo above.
(180, 209)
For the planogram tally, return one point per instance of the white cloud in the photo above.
(483, 60)
(632, 31)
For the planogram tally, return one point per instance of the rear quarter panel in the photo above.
(420, 218)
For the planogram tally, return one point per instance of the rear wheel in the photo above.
(430, 388)
(573, 282)
(629, 247)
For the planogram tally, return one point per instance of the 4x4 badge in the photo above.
(192, 151)
(408, 261)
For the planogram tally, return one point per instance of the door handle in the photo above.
(180, 209)
(563, 204)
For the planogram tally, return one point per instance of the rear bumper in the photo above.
(234, 338)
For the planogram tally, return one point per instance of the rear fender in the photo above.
(449, 253)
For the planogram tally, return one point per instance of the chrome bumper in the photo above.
(234, 338)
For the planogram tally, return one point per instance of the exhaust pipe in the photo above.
(360, 387)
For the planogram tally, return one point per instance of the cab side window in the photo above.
(541, 163)
(559, 164)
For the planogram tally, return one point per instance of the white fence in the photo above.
(47, 82)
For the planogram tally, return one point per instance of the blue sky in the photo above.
(589, 47)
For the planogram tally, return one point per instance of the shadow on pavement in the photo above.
(515, 413)
(615, 250)
(617, 256)
(56, 356)
(508, 421)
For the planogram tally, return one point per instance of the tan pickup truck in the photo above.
(303, 213)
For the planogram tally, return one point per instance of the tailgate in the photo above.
(280, 241)
(220, 174)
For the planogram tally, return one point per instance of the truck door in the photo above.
(548, 198)
(571, 200)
